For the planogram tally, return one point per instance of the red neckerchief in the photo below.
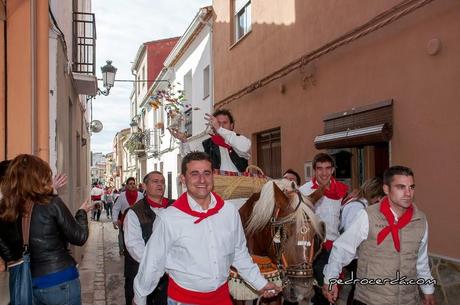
(218, 140)
(182, 204)
(336, 190)
(153, 204)
(131, 196)
(392, 227)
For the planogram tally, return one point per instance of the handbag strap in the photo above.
(26, 225)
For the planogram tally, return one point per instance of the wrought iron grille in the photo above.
(152, 140)
(84, 43)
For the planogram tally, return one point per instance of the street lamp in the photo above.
(108, 77)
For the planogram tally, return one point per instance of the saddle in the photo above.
(240, 290)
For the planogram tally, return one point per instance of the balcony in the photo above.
(84, 53)
(135, 143)
(152, 141)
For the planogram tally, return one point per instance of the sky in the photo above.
(121, 27)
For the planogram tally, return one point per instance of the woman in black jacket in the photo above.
(55, 279)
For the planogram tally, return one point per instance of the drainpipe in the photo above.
(41, 82)
(5, 106)
(33, 47)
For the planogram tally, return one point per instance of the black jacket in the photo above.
(214, 153)
(52, 228)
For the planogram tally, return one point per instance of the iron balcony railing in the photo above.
(84, 43)
(152, 140)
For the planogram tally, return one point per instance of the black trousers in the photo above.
(159, 296)
(356, 302)
(352, 267)
(318, 267)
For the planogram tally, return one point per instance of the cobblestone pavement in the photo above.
(101, 271)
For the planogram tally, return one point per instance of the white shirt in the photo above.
(344, 250)
(240, 144)
(95, 191)
(122, 204)
(350, 211)
(196, 256)
(328, 210)
(132, 233)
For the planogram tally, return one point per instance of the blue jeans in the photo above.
(172, 302)
(67, 293)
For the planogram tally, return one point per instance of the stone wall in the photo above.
(447, 274)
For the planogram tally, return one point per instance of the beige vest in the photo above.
(383, 261)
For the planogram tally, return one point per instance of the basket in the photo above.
(241, 185)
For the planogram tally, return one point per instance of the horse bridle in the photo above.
(279, 228)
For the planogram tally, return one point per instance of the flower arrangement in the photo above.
(173, 103)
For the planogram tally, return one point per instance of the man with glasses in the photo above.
(126, 199)
(195, 241)
(137, 228)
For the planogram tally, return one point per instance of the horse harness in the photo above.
(279, 231)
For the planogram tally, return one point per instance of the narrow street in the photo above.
(101, 271)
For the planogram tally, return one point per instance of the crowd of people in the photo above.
(180, 251)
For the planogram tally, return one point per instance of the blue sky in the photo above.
(121, 27)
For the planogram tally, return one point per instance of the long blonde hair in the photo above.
(28, 179)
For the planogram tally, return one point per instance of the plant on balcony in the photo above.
(173, 103)
(135, 142)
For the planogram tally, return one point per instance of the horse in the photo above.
(284, 236)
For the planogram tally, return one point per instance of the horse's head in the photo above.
(277, 199)
(280, 223)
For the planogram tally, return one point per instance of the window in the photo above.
(269, 152)
(242, 18)
(143, 76)
(79, 165)
(206, 84)
(188, 122)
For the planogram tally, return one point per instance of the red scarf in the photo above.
(218, 140)
(220, 296)
(153, 204)
(182, 204)
(392, 227)
(336, 190)
(131, 196)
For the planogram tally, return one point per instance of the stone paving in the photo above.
(101, 270)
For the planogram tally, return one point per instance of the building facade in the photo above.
(147, 64)
(373, 83)
(44, 87)
(188, 71)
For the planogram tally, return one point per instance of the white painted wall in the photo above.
(196, 58)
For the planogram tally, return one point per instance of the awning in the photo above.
(354, 137)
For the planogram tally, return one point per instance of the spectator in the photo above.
(29, 191)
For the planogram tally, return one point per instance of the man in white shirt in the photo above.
(96, 201)
(328, 210)
(137, 229)
(195, 241)
(228, 150)
(391, 240)
(126, 199)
